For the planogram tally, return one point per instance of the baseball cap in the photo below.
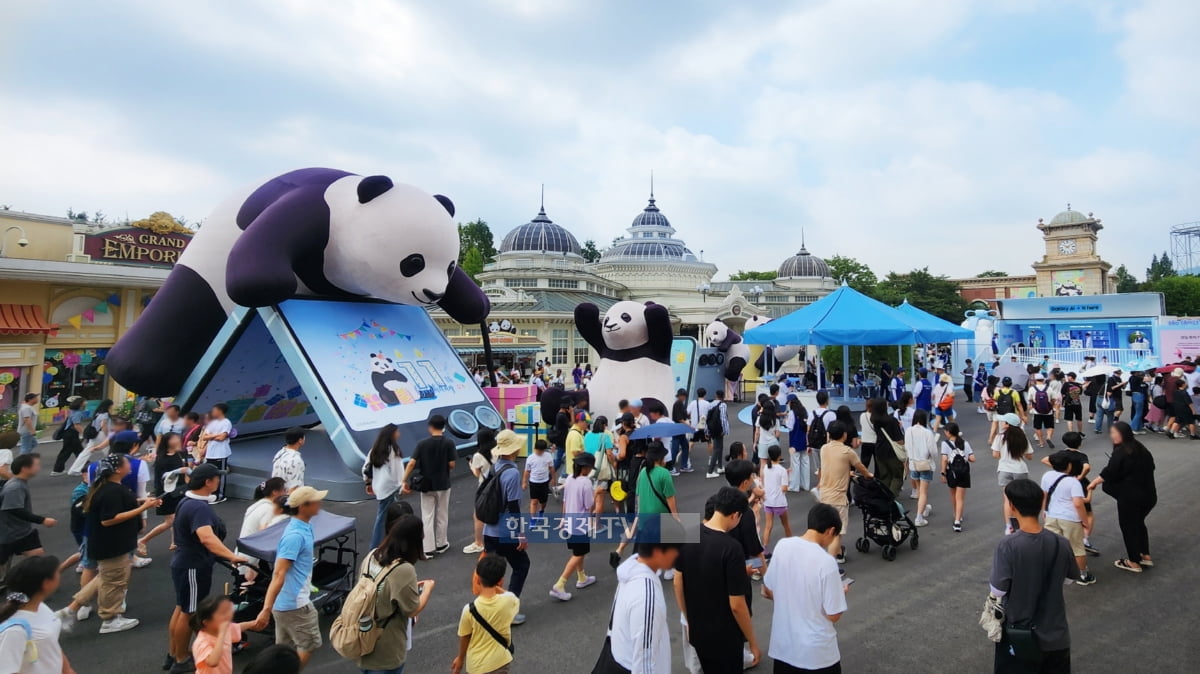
(1039, 376)
(1007, 381)
(922, 371)
(636, 402)
(305, 494)
(584, 459)
(131, 437)
(205, 472)
(626, 418)
(1010, 419)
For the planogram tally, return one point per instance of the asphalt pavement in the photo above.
(918, 613)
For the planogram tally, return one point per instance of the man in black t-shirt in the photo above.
(432, 461)
(711, 584)
(1028, 571)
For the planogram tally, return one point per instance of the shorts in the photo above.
(298, 628)
(145, 433)
(958, 483)
(1004, 477)
(169, 503)
(1073, 413)
(945, 415)
(191, 585)
(540, 492)
(776, 510)
(603, 484)
(843, 511)
(700, 436)
(579, 549)
(1072, 531)
(85, 560)
(30, 541)
(1043, 421)
(991, 415)
(925, 475)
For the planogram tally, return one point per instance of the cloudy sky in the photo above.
(904, 133)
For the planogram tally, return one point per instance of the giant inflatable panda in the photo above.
(730, 343)
(776, 356)
(311, 232)
(634, 343)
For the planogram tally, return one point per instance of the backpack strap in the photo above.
(488, 627)
(1050, 493)
(650, 481)
(379, 588)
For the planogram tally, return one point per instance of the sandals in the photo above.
(1126, 565)
(1147, 562)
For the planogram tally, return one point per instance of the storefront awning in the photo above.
(502, 342)
(472, 350)
(24, 319)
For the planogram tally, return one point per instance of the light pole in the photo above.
(756, 292)
(22, 242)
(703, 289)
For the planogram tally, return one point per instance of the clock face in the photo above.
(1066, 247)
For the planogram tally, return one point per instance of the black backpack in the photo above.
(1004, 404)
(712, 420)
(489, 497)
(958, 468)
(818, 435)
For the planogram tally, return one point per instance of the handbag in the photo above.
(922, 465)
(1107, 403)
(897, 447)
(1022, 637)
(992, 618)
(606, 663)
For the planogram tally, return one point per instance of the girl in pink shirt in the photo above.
(216, 633)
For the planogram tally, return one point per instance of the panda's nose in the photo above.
(433, 297)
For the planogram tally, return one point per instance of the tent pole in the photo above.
(845, 372)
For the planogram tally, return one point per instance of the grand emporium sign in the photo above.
(151, 242)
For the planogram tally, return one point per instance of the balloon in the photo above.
(100, 370)
(6, 378)
(52, 371)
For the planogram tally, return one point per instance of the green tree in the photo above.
(472, 262)
(589, 251)
(1181, 294)
(476, 234)
(1126, 283)
(936, 294)
(753, 276)
(992, 273)
(854, 273)
(1159, 269)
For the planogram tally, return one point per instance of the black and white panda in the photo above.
(730, 343)
(634, 343)
(315, 232)
(775, 356)
(507, 326)
(388, 381)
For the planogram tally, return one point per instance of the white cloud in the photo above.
(1161, 54)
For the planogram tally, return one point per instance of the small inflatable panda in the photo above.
(775, 356)
(313, 232)
(730, 343)
(634, 343)
(388, 381)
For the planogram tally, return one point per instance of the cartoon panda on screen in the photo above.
(388, 381)
(312, 232)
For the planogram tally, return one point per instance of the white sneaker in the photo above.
(84, 613)
(669, 574)
(921, 522)
(118, 624)
(711, 475)
(473, 549)
(928, 509)
(913, 494)
(67, 617)
(141, 562)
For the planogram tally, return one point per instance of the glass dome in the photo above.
(804, 265)
(540, 235)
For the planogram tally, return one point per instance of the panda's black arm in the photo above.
(658, 331)
(587, 322)
(287, 239)
(465, 301)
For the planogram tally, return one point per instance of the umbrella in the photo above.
(1186, 367)
(1010, 369)
(661, 430)
(1097, 370)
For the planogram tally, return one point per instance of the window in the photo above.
(521, 282)
(775, 298)
(806, 299)
(582, 353)
(528, 332)
(453, 332)
(558, 345)
(563, 283)
(471, 332)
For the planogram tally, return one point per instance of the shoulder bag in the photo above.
(897, 447)
(1022, 636)
(650, 481)
(606, 663)
(489, 629)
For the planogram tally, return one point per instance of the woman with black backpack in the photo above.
(957, 458)
(889, 445)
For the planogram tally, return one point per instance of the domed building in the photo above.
(538, 277)
(800, 280)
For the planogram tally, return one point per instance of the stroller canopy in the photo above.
(326, 526)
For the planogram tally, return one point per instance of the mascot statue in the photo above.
(772, 356)
(634, 343)
(730, 343)
(311, 232)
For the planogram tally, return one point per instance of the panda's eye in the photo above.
(626, 317)
(412, 265)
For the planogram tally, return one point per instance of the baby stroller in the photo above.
(334, 568)
(884, 520)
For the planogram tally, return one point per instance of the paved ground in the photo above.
(918, 613)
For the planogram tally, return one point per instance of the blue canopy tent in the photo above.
(932, 328)
(847, 318)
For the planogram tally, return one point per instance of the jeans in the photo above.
(28, 443)
(380, 530)
(1101, 413)
(435, 515)
(517, 559)
(398, 670)
(717, 460)
(679, 448)
(1139, 410)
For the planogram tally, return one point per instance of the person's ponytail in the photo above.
(24, 581)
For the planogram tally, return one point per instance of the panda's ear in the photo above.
(446, 203)
(373, 186)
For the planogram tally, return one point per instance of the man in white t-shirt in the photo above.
(27, 423)
(288, 464)
(171, 422)
(1065, 509)
(697, 412)
(809, 595)
(217, 450)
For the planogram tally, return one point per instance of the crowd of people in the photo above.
(176, 466)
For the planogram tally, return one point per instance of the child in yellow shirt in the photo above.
(485, 628)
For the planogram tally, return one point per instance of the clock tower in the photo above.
(1071, 265)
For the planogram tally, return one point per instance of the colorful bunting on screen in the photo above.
(372, 330)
